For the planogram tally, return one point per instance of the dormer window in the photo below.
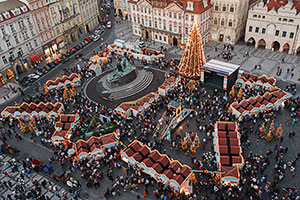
(190, 5)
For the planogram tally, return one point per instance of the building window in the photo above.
(175, 29)
(276, 32)
(134, 19)
(263, 17)
(139, 20)
(263, 31)
(284, 34)
(291, 35)
(35, 43)
(165, 38)
(170, 27)
(163, 13)
(224, 8)
(170, 14)
(12, 28)
(230, 23)
(256, 29)
(4, 59)
(20, 51)
(216, 7)
(8, 44)
(16, 39)
(291, 20)
(150, 23)
(165, 26)
(254, 16)
(179, 16)
(156, 37)
(175, 15)
(159, 25)
(57, 30)
(279, 19)
(186, 30)
(155, 24)
(142, 21)
(215, 21)
(222, 22)
(231, 8)
(250, 28)
(160, 38)
(179, 29)
(192, 18)
(186, 17)
(284, 20)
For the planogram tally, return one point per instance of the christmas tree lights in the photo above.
(193, 57)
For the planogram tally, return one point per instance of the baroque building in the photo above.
(19, 40)
(274, 25)
(44, 25)
(228, 20)
(67, 21)
(169, 21)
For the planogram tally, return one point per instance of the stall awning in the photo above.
(34, 58)
(40, 54)
(220, 67)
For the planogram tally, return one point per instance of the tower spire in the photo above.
(193, 57)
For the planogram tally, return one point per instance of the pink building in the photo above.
(44, 25)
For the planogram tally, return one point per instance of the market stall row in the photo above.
(73, 80)
(133, 108)
(168, 85)
(158, 166)
(228, 150)
(27, 111)
(94, 146)
(253, 80)
(260, 103)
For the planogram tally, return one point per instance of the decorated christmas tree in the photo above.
(232, 93)
(278, 132)
(184, 144)
(272, 128)
(22, 126)
(196, 141)
(31, 126)
(73, 92)
(188, 139)
(193, 148)
(66, 93)
(269, 136)
(193, 57)
(240, 93)
(263, 129)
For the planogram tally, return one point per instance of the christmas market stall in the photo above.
(260, 103)
(252, 80)
(64, 127)
(168, 85)
(228, 152)
(27, 111)
(94, 146)
(120, 47)
(158, 166)
(73, 80)
(138, 107)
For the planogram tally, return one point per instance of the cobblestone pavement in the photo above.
(15, 179)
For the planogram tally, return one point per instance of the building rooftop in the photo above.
(10, 5)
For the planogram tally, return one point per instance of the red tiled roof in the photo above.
(276, 4)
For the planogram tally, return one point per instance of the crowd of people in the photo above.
(256, 181)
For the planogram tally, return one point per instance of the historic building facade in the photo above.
(170, 21)
(274, 26)
(90, 14)
(44, 25)
(228, 20)
(67, 21)
(18, 37)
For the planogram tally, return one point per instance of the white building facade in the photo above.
(274, 26)
(90, 14)
(169, 22)
(228, 20)
(19, 38)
